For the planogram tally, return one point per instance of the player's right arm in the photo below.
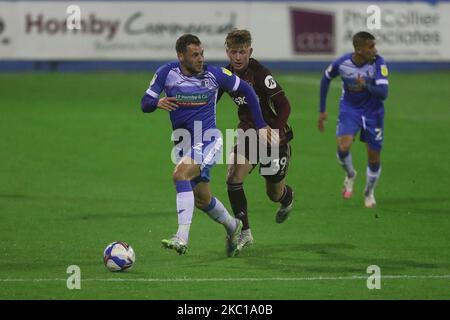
(150, 101)
(330, 73)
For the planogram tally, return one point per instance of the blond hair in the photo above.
(238, 38)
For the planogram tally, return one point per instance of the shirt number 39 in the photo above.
(279, 164)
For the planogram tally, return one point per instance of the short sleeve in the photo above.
(158, 81)
(333, 69)
(265, 81)
(381, 71)
(225, 78)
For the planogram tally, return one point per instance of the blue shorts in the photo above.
(205, 153)
(371, 127)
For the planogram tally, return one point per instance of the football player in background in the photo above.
(275, 108)
(191, 88)
(365, 86)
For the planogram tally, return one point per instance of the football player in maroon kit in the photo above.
(275, 108)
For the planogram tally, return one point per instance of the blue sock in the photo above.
(374, 167)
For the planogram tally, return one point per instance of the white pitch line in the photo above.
(318, 278)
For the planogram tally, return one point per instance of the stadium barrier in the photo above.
(36, 35)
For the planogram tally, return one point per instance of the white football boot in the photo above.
(369, 200)
(347, 190)
(245, 240)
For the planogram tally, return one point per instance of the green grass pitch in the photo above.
(82, 166)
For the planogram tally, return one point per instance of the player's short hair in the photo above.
(360, 38)
(185, 40)
(237, 38)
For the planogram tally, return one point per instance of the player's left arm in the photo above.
(283, 107)
(330, 73)
(379, 87)
(151, 101)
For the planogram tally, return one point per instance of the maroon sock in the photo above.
(238, 202)
(286, 198)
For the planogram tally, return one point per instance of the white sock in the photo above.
(183, 232)
(347, 164)
(217, 211)
(371, 180)
(185, 209)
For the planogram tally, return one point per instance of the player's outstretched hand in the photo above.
(323, 116)
(168, 103)
(271, 136)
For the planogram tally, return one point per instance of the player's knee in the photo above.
(202, 200)
(232, 176)
(374, 158)
(233, 179)
(344, 146)
(235, 175)
(179, 175)
(201, 204)
(344, 143)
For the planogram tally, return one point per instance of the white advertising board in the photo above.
(282, 31)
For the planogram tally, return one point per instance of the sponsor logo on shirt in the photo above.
(192, 100)
(240, 101)
(270, 82)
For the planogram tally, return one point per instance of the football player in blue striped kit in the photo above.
(191, 89)
(361, 109)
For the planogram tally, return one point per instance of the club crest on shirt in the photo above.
(204, 83)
